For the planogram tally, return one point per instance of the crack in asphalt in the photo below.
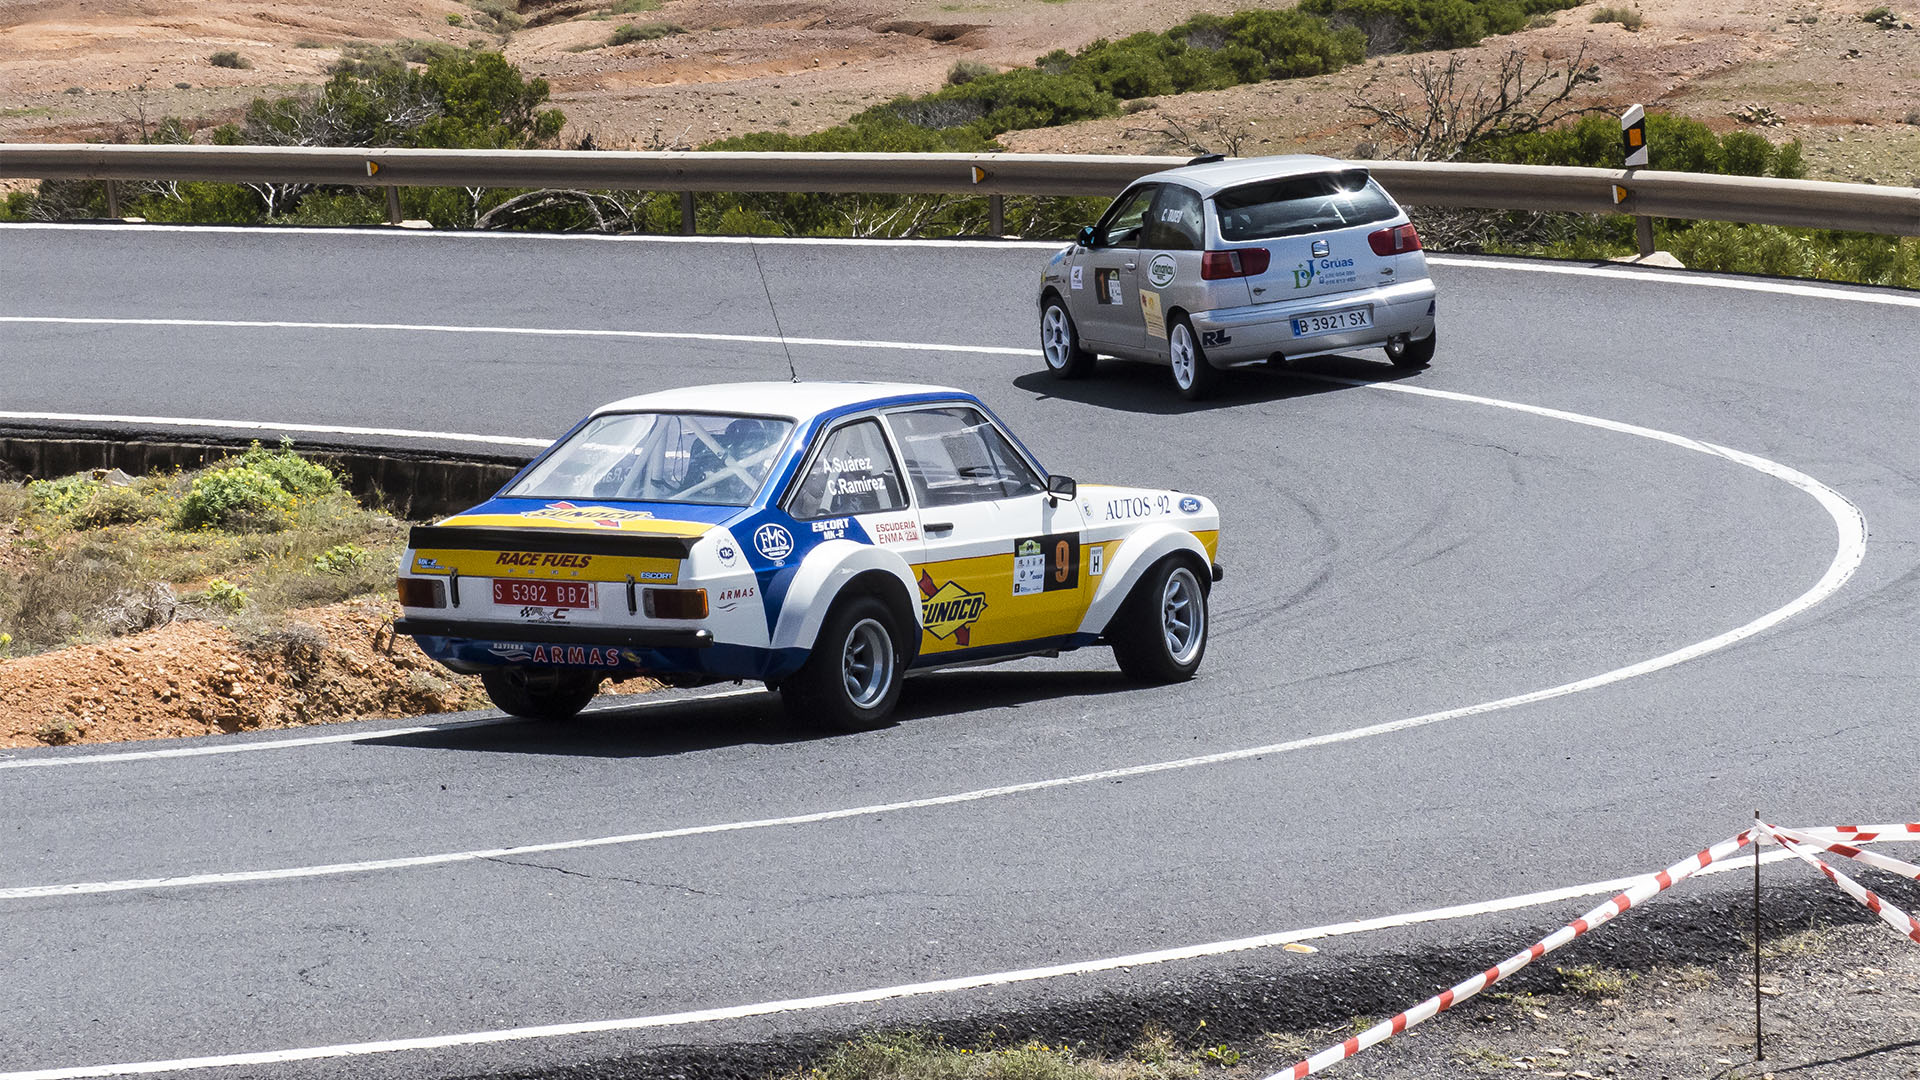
(596, 877)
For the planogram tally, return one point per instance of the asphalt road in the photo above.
(1390, 555)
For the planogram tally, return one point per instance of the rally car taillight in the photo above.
(676, 603)
(422, 592)
(1240, 262)
(1395, 241)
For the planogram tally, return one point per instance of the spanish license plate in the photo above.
(1332, 322)
(548, 594)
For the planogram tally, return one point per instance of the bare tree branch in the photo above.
(1449, 118)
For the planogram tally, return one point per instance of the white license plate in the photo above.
(1332, 322)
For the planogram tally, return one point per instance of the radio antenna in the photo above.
(755, 248)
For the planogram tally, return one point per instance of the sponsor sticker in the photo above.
(1106, 285)
(1046, 563)
(606, 517)
(726, 553)
(1096, 559)
(948, 610)
(829, 529)
(1212, 338)
(568, 655)
(895, 532)
(543, 559)
(1161, 270)
(773, 541)
(1189, 505)
(1150, 311)
(1077, 277)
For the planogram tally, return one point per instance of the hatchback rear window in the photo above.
(1301, 204)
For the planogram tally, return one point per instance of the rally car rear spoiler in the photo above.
(569, 541)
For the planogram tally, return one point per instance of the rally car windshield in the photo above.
(660, 457)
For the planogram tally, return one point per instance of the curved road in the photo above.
(1393, 554)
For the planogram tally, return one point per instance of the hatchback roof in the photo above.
(1212, 176)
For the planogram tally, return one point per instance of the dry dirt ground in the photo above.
(195, 678)
(78, 69)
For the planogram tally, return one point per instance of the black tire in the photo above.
(1413, 354)
(1060, 343)
(851, 680)
(539, 695)
(1160, 634)
(1192, 375)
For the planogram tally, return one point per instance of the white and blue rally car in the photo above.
(825, 538)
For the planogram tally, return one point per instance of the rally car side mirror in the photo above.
(1061, 487)
(1086, 236)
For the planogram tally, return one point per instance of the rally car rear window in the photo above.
(1301, 204)
(660, 457)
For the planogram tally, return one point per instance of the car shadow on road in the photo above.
(646, 726)
(1134, 386)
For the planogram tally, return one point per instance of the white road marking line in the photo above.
(411, 235)
(522, 331)
(859, 997)
(272, 425)
(216, 748)
(1621, 273)
(1849, 524)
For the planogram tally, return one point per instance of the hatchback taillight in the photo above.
(1240, 262)
(1395, 241)
(422, 592)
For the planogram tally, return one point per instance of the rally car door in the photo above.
(850, 489)
(1003, 563)
(1106, 308)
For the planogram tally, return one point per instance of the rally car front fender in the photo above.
(1130, 560)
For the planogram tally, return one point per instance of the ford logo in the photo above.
(1189, 505)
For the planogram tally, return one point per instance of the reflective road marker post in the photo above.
(1633, 140)
(996, 204)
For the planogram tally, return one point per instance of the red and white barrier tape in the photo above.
(1860, 834)
(1891, 915)
(1874, 859)
(1600, 916)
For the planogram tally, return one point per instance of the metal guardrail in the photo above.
(1805, 203)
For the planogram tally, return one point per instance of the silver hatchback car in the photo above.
(1222, 264)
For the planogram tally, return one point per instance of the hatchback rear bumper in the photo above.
(1245, 335)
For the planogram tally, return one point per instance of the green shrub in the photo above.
(1626, 17)
(223, 595)
(634, 7)
(296, 475)
(1673, 143)
(66, 495)
(1884, 18)
(121, 506)
(229, 59)
(652, 31)
(1396, 25)
(965, 71)
(340, 559)
(235, 498)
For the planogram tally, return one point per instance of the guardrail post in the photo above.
(997, 215)
(687, 225)
(113, 199)
(1643, 232)
(393, 205)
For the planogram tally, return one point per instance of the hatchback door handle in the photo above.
(939, 526)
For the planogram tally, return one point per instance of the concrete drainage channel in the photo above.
(410, 484)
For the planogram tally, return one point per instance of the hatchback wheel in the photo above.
(1406, 353)
(1195, 378)
(1060, 343)
(851, 680)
